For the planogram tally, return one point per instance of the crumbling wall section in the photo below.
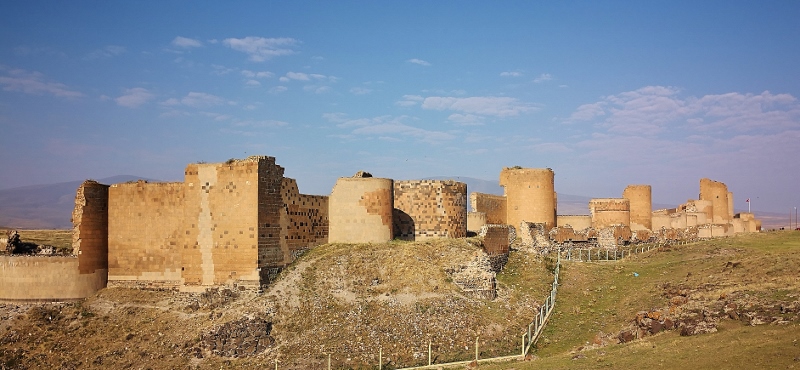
(641, 206)
(475, 221)
(493, 206)
(361, 210)
(44, 279)
(608, 212)
(145, 233)
(437, 208)
(576, 222)
(304, 221)
(717, 193)
(90, 227)
(530, 195)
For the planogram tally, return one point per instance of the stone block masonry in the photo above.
(90, 227)
(361, 210)
(434, 208)
(230, 223)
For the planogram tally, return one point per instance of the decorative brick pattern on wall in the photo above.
(435, 209)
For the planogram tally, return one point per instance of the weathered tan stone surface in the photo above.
(492, 206)
(47, 279)
(436, 208)
(360, 210)
(641, 206)
(475, 220)
(717, 193)
(530, 195)
(576, 222)
(304, 221)
(90, 227)
(608, 212)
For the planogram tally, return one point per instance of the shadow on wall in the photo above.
(404, 228)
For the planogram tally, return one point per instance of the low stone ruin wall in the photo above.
(47, 279)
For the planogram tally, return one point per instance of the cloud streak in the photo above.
(135, 97)
(260, 49)
(34, 83)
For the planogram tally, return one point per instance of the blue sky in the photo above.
(604, 93)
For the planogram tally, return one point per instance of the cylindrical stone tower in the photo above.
(717, 193)
(436, 208)
(640, 197)
(360, 210)
(530, 195)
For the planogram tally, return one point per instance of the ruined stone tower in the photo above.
(718, 194)
(530, 195)
(360, 210)
(640, 198)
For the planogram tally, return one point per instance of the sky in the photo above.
(605, 93)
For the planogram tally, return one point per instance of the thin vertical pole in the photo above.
(380, 358)
(523, 347)
(476, 349)
(329, 361)
(276, 364)
(429, 352)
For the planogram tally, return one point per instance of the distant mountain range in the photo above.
(45, 206)
(50, 206)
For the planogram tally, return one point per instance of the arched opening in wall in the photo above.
(403, 225)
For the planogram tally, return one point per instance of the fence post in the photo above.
(429, 352)
(476, 349)
(329, 361)
(523, 348)
(380, 358)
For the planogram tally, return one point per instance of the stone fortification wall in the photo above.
(226, 224)
(640, 197)
(436, 208)
(730, 205)
(530, 195)
(608, 212)
(360, 210)
(717, 193)
(90, 227)
(475, 220)
(304, 221)
(146, 232)
(493, 206)
(576, 222)
(47, 279)
(661, 220)
(497, 239)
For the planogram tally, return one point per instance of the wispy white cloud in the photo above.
(252, 83)
(278, 89)
(654, 110)
(387, 128)
(360, 90)
(135, 97)
(197, 100)
(260, 49)
(466, 119)
(419, 62)
(409, 100)
(186, 43)
(261, 124)
(106, 52)
(221, 70)
(261, 74)
(34, 83)
(511, 74)
(481, 105)
(300, 76)
(542, 78)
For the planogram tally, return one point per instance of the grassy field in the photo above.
(759, 274)
(59, 238)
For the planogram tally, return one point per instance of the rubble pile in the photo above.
(241, 338)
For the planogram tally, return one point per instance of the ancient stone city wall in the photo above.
(304, 220)
(608, 212)
(530, 195)
(90, 227)
(436, 209)
(717, 193)
(576, 222)
(640, 198)
(47, 279)
(493, 206)
(145, 232)
(361, 210)
(475, 221)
